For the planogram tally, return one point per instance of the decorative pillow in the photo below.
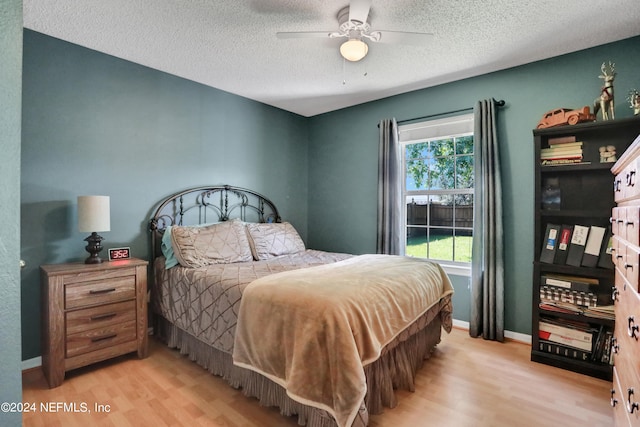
(270, 240)
(170, 259)
(221, 243)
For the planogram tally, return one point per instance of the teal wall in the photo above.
(343, 148)
(95, 124)
(10, 94)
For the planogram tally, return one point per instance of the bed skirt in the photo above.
(395, 369)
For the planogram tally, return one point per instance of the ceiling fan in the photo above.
(354, 26)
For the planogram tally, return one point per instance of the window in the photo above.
(438, 189)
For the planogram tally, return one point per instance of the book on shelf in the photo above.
(550, 153)
(562, 350)
(566, 281)
(564, 340)
(579, 299)
(593, 246)
(602, 347)
(567, 333)
(561, 140)
(605, 353)
(600, 312)
(576, 247)
(562, 155)
(563, 244)
(562, 162)
(550, 243)
(605, 260)
(566, 145)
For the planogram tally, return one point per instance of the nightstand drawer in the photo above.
(101, 316)
(95, 339)
(99, 292)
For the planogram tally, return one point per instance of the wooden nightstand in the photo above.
(92, 312)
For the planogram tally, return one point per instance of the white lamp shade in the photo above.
(94, 213)
(354, 50)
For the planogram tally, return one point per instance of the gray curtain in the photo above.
(389, 190)
(487, 265)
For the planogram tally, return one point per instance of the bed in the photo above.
(325, 336)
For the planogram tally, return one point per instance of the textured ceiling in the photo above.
(232, 45)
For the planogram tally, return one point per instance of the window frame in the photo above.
(424, 131)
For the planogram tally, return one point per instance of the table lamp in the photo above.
(93, 217)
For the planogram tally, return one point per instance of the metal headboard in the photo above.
(202, 205)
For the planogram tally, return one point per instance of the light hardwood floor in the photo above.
(467, 382)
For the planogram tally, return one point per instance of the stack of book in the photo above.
(562, 151)
(575, 340)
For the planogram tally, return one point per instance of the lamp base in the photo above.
(93, 247)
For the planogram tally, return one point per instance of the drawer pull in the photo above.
(630, 180)
(104, 337)
(631, 223)
(615, 347)
(620, 221)
(628, 265)
(103, 316)
(632, 328)
(101, 291)
(616, 185)
(614, 401)
(631, 407)
(614, 294)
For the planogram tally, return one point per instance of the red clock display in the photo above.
(116, 254)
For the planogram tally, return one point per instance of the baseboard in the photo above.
(36, 362)
(28, 364)
(514, 336)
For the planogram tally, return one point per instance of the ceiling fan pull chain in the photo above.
(344, 78)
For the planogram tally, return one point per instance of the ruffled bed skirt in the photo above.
(395, 369)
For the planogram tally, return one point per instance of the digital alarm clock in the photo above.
(116, 254)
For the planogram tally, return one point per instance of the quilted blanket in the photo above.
(312, 331)
(205, 301)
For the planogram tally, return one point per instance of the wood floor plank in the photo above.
(467, 382)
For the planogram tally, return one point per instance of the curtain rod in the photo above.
(498, 103)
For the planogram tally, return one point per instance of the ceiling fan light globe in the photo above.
(354, 50)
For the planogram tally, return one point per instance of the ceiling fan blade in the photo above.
(359, 10)
(302, 34)
(403, 37)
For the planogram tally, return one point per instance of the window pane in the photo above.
(442, 171)
(464, 211)
(464, 171)
(417, 151)
(441, 244)
(464, 145)
(442, 147)
(441, 214)
(417, 242)
(463, 245)
(416, 211)
(417, 174)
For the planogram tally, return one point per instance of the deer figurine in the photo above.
(634, 101)
(605, 101)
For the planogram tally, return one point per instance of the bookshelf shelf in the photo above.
(567, 196)
(577, 317)
(576, 168)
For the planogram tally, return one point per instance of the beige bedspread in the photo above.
(313, 330)
(204, 301)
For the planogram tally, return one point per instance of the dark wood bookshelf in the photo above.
(585, 198)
